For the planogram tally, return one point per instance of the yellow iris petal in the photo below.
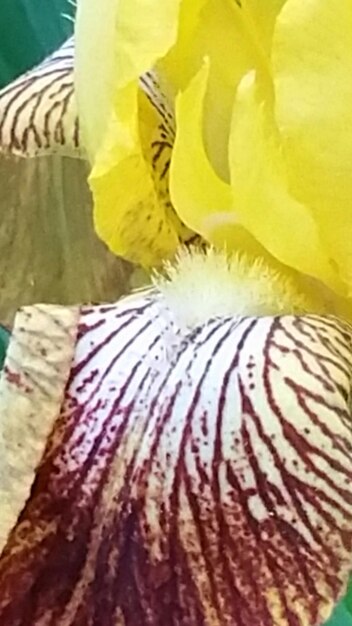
(238, 177)
(262, 198)
(202, 200)
(116, 41)
(236, 39)
(260, 17)
(145, 31)
(312, 65)
(94, 68)
(129, 215)
(129, 182)
(198, 194)
(136, 219)
(258, 214)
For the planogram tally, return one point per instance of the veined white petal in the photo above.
(38, 112)
(197, 477)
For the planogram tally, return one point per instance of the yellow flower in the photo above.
(249, 103)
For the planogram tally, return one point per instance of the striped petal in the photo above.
(194, 477)
(38, 113)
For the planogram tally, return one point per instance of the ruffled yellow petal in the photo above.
(240, 32)
(137, 35)
(130, 146)
(130, 215)
(312, 65)
(202, 200)
(261, 195)
(116, 41)
(145, 31)
(260, 18)
(236, 39)
(258, 215)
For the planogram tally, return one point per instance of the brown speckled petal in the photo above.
(194, 479)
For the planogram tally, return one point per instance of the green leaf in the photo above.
(4, 340)
(342, 615)
(348, 598)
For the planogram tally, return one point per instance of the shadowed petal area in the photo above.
(38, 112)
(194, 477)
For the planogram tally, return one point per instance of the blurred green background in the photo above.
(29, 31)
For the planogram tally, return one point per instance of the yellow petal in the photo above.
(262, 198)
(225, 29)
(129, 179)
(117, 40)
(312, 61)
(94, 68)
(146, 30)
(260, 17)
(235, 40)
(202, 200)
(130, 216)
(200, 197)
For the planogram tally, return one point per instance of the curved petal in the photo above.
(177, 462)
(217, 35)
(145, 32)
(237, 31)
(133, 213)
(36, 369)
(133, 43)
(132, 210)
(223, 216)
(258, 215)
(261, 191)
(38, 113)
(261, 18)
(135, 34)
(94, 69)
(312, 64)
(200, 197)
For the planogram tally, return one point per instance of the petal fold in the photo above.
(201, 198)
(262, 196)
